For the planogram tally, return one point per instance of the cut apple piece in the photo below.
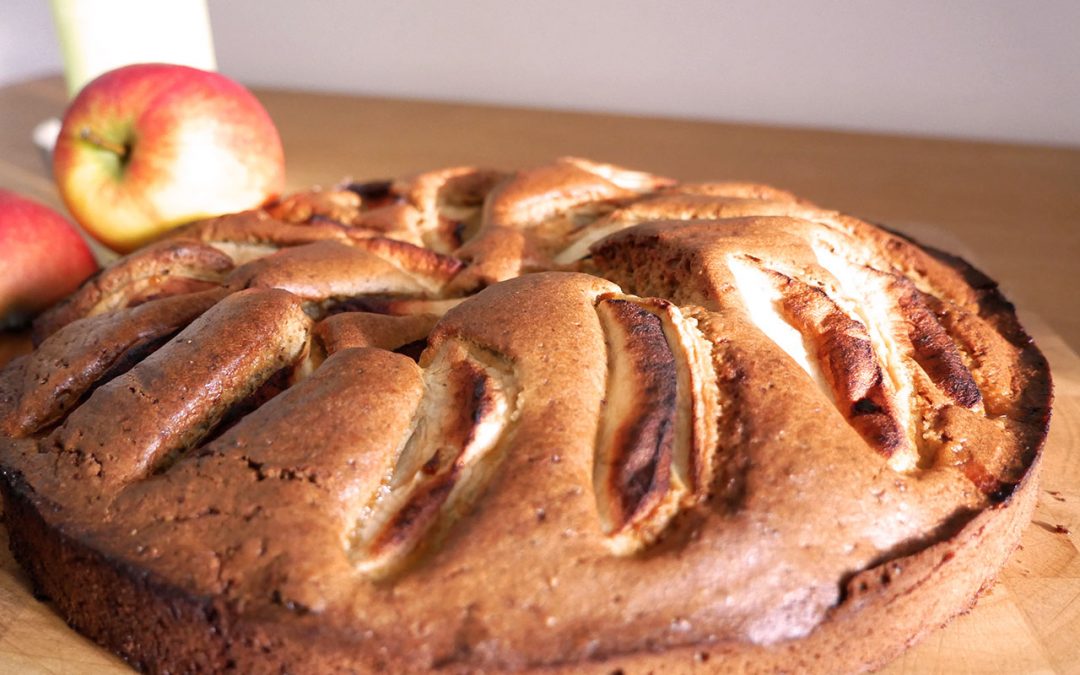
(469, 402)
(170, 267)
(657, 433)
(837, 350)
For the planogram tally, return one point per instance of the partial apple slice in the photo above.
(329, 270)
(367, 329)
(657, 435)
(171, 267)
(469, 402)
(838, 351)
(745, 199)
(335, 205)
(432, 270)
(249, 235)
(628, 179)
(738, 190)
(535, 195)
(447, 204)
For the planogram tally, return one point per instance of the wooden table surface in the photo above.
(1013, 209)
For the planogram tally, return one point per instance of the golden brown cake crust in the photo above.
(617, 423)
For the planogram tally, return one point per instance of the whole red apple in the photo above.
(147, 147)
(42, 258)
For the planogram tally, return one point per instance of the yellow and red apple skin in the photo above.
(42, 258)
(197, 145)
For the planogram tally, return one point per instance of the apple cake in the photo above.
(574, 418)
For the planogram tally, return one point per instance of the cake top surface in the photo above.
(509, 419)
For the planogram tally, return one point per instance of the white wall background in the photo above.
(996, 69)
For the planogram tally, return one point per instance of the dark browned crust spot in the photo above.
(374, 193)
(376, 303)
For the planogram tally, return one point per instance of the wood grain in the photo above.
(1014, 210)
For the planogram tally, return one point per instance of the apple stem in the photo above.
(88, 135)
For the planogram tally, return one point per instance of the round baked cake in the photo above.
(571, 418)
